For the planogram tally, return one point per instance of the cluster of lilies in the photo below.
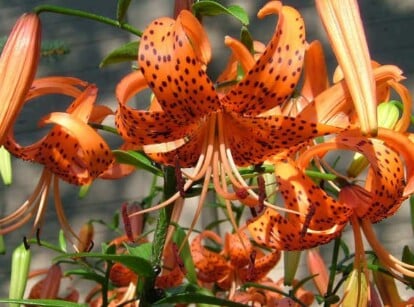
(259, 117)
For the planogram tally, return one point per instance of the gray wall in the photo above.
(388, 24)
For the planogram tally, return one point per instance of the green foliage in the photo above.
(125, 53)
(213, 8)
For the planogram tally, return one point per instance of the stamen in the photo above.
(178, 258)
(179, 177)
(308, 219)
(127, 222)
(262, 192)
(38, 237)
(67, 229)
(25, 243)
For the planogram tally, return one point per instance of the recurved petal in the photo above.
(272, 230)
(315, 72)
(172, 57)
(320, 218)
(74, 150)
(385, 180)
(274, 76)
(141, 127)
(334, 105)
(211, 266)
(186, 150)
(254, 139)
(18, 65)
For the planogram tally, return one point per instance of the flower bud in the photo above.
(19, 273)
(356, 290)
(18, 64)
(317, 267)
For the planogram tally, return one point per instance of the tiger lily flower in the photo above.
(193, 123)
(343, 24)
(322, 216)
(237, 263)
(72, 150)
(18, 64)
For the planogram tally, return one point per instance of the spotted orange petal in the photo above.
(254, 139)
(274, 76)
(263, 264)
(172, 57)
(211, 266)
(72, 150)
(320, 218)
(140, 127)
(385, 180)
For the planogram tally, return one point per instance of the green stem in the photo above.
(104, 128)
(78, 13)
(146, 289)
(332, 273)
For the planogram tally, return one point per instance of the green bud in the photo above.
(5, 166)
(291, 263)
(19, 273)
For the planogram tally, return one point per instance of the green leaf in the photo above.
(408, 257)
(143, 250)
(125, 53)
(51, 303)
(122, 10)
(198, 298)
(138, 265)
(2, 245)
(185, 254)
(136, 159)
(5, 166)
(246, 38)
(212, 8)
(86, 275)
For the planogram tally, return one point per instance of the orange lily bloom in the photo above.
(18, 65)
(320, 217)
(72, 150)
(237, 263)
(343, 24)
(193, 123)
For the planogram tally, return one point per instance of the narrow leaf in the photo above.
(138, 265)
(40, 302)
(198, 298)
(212, 8)
(125, 53)
(185, 254)
(87, 275)
(122, 10)
(136, 159)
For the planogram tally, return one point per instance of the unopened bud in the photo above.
(19, 273)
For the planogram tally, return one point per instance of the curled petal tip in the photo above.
(272, 7)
